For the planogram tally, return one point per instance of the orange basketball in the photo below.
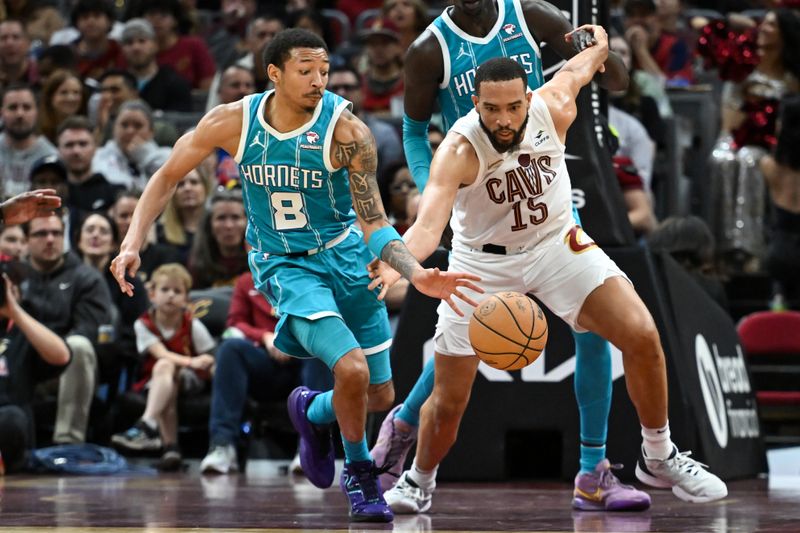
(508, 331)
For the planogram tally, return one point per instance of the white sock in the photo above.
(425, 479)
(152, 424)
(657, 442)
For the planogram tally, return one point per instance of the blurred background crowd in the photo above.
(95, 92)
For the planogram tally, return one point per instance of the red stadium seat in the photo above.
(771, 341)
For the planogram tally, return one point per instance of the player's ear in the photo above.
(273, 73)
(474, 101)
(528, 96)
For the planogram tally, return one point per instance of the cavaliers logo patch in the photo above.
(578, 241)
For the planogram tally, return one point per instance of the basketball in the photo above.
(508, 331)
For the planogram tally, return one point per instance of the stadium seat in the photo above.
(771, 341)
(338, 23)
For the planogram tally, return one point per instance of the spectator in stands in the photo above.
(310, 19)
(41, 18)
(88, 190)
(260, 33)
(409, 16)
(160, 86)
(183, 215)
(689, 241)
(655, 51)
(131, 156)
(56, 57)
(152, 254)
(633, 143)
(637, 200)
(20, 145)
(219, 253)
(383, 77)
(782, 175)
(96, 241)
(118, 86)
(227, 42)
(187, 55)
(32, 353)
(16, 63)
(346, 82)
(633, 101)
(353, 8)
(96, 52)
(63, 95)
(72, 300)
(435, 137)
(50, 173)
(179, 360)
(236, 83)
(13, 243)
(247, 364)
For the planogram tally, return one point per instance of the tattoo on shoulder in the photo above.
(399, 258)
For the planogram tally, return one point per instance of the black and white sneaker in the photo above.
(688, 479)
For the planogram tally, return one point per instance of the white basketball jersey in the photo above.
(520, 198)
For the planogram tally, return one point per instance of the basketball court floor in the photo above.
(267, 499)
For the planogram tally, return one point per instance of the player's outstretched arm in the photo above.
(561, 92)
(454, 164)
(220, 127)
(354, 148)
(550, 25)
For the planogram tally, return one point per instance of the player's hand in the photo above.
(445, 284)
(126, 262)
(587, 36)
(29, 205)
(383, 277)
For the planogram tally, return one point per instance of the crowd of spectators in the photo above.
(92, 99)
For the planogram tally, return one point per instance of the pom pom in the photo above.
(732, 53)
(758, 128)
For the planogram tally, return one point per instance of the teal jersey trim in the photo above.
(462, 53)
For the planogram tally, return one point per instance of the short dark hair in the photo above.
(345, 67)
(499, 69)
(640, 7)
(62, 56)
(58, 213)
(130, 79)
(16, 86)
(86, 7)
(169, 7)
(280, 49)
(75, 122)
(786, 152)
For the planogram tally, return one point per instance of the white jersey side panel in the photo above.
(520, 198)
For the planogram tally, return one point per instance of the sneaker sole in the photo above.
(372, 518)
(401, 508)
(685, 496)
(126, 445)
(580, 504)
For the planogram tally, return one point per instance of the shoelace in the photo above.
(368, 482)
(409, 490)
(687, 464)
(609, 480)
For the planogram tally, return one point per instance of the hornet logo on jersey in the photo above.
(511, 31)
(311, 138)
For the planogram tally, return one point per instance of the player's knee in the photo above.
(644, 339)
(450, 405)
(352, 371)
(380, 397)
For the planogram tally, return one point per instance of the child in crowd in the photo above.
(178, 360)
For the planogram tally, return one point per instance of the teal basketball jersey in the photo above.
(462, 53)
(294, 198)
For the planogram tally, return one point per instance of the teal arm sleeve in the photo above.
(417, 149)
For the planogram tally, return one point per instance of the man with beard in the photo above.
(440, 69)
(20, 146)
(88, 191)
(502, 173)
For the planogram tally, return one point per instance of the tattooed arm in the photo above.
(354, 149)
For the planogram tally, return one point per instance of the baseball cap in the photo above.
(380, 26)
(137, 28)
(49, 162)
